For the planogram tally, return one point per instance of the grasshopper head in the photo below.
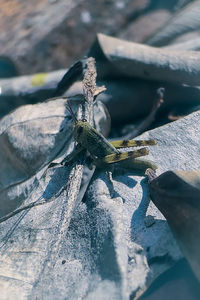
(81, 127)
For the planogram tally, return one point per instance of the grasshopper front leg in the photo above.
(70, 158)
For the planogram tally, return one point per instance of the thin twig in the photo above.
(71, 189)
(74, 182)
(145, 124)
(89, 87)
(151, 174)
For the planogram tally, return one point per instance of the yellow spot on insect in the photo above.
(38, 79)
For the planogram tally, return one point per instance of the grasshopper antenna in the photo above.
(71, 111)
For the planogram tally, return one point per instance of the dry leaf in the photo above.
(177, 195)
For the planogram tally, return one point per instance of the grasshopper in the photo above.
(103, 152)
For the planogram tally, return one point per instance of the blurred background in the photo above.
(46, 35)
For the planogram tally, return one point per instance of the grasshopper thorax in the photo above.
(81, 127)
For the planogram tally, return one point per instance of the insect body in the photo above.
(104, 152)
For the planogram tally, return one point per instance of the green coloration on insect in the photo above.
(104, 152)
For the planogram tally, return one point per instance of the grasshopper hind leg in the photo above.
(133, 143)
(117, 157)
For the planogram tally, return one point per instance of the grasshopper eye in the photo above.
(84, 120)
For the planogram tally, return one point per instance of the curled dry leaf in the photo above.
(106, 247)
(184, 21)
(189, 44)
(177, 196)
(126, 98)
(142, 61)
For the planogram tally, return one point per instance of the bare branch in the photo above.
(89, 87)
(145, 124)
(74, 182)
